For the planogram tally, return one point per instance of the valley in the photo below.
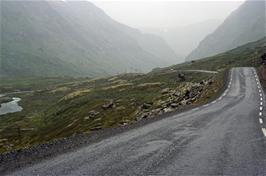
(179, 92)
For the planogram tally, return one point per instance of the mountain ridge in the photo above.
(72, 39)
(246, 24)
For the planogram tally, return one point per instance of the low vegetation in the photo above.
(61, 107)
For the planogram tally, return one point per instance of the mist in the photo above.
(166, 14)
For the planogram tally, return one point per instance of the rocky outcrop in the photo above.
(172, 99)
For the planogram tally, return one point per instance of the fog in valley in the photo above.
(182, 24)
(132, 87)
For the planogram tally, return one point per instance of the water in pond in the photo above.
(11, 106)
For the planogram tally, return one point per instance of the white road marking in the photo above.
(261, 103)
(260, 114)
(220, 98)
(206, 105)
(261, 108)
(264, 131)
(260, 99)
(261, 121)
(260, 95)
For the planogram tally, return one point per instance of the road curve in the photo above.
(224, 137)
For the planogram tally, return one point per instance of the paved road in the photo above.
(224, 137)
(200, 71)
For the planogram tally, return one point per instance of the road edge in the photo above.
(14, 160)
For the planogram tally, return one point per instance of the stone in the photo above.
(109, 105)
(165, 91)
(181, 77)
(174, 105)
(93, 114)
(177, 94)
(87, 118)
(146, 106)
(210, 82)
(184, 102)
(167, 109)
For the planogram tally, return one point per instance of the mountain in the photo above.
(184, 39)
(246, 24)
(56, 38)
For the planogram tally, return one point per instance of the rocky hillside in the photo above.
(246, 24)
(56, 38)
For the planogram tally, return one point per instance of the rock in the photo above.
(93, 114)
(184, 102)
(156, 111)
(133, 100)
(123, 124)
(87, 118)
(120, 108)
(210, 82)
(168, 109)
(108, 105)
(187, 94)
(146, 106)
(96, 128)
(181, 77)
(142, 116)
(145, 115)
(174, 105)
(165, 91)
(177, 94)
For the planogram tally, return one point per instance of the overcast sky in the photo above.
(163, 14)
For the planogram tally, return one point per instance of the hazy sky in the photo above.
(156, 13)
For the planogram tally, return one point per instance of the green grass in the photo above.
(59, 107)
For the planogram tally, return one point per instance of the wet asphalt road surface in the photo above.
(224, 137)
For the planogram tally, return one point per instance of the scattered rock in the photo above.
(120, 108)
(181, 77)
(109, 105)
(168, 109)
(184, 102)
(165, 91)
(145, 115)
(93, 114)
(174, 105)
(177, 94)
(96, 128)
(87, 118)
(146, 106)
(210, 82)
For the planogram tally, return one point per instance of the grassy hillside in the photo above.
(63, 107)
(246, 55)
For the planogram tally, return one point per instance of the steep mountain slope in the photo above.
(244, 25)
(186, 38)
(58, 38)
